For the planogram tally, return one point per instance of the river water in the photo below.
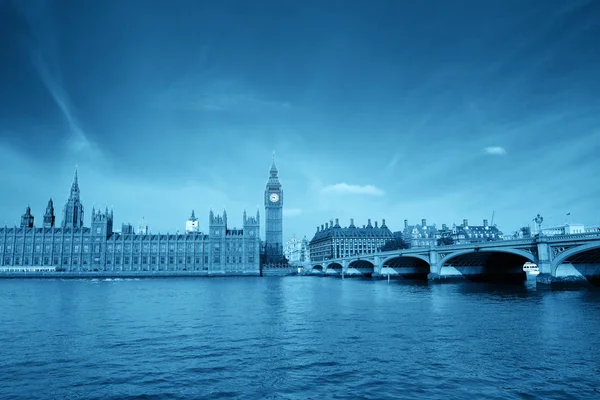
(296, 338)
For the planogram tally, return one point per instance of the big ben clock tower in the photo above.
(273, 217)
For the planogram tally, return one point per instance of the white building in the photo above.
(570, 229)
(566, 229)
(191, 225)
(296, 251)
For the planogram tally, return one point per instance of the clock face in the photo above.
(274, 197)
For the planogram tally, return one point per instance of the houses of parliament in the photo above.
(73, 247)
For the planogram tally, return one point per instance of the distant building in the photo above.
(76, 248)
(333, 241)
(419, 235)
(477, 233)
(191, 225)
(568, 229)
(592, 229)
(296, 250)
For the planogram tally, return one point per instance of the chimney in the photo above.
(444, 227)
(326, 225)
(383, 222)
(331, 223)
(375, 224)
(322, 227)
(351, 221)
(405, 223)
(337, 222)
(423, 222)
(485, 222)
(317, 228)
(465, 222)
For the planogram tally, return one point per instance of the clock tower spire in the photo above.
(273, 216)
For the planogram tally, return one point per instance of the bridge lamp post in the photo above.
(538, 220)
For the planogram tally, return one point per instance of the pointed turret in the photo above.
(273, 167)
(191, 225)
(49, 217)
(27, 219)
(73, 211)
(75, 187)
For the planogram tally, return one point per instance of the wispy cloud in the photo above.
(344, 188)
(494, 150)
(43, 49)
(389, 168)
(200, 93)
(78, 140)
(236, 101)
(291, 212)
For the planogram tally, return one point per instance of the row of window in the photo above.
(126, 260)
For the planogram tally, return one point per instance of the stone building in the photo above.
(296, 250)
(76, 248)
(333, 241)
(422, 235)
(466, 233)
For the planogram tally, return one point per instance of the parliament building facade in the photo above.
(73, 247)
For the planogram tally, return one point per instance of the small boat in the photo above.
(531, 268)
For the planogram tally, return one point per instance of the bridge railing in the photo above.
(574, 236)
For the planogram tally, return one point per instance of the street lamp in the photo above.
(538, 220)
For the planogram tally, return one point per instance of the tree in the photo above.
(445, 241)
(394, 244)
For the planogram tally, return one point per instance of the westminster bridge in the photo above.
(562, 258)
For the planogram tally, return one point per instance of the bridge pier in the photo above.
(435, 269)
(544, 263)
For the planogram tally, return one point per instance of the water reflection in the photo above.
(295, 337)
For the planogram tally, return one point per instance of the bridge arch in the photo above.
(364, 268)
(583, 254)
(317, 268)
(486, 264)
(525, 254)
(406, 266)
(391, 257)
(334, 266)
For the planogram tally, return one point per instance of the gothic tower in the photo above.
(273, 217)
(49, 217)
(27, 219)
(73, 212)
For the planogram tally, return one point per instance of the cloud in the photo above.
(344, 188)
(216, 95)
(236, 102)
(291, 212)
(392, 163)
(495, 150)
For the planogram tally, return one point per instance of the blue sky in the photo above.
(376, 109)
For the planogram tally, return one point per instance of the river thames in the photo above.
(296, 338)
